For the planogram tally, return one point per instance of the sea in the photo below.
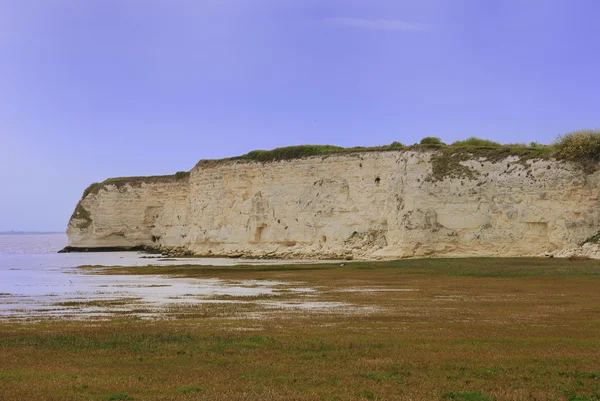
(37, 282)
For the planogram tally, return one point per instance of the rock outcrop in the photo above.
(392, 204)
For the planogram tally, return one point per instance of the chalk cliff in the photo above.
(392, 204)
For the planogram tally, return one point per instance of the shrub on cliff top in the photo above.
(431, 140)
(583, 144)
(181, 175)
(476, 143)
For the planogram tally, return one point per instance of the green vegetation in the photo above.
(431, 140)
(290, 152)
(448, 162)
(474, 142)
(182, 174)
(594, 239)
(577, 145)
(437, 329)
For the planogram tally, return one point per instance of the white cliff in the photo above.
(391, 204)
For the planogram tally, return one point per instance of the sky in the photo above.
(91, 89)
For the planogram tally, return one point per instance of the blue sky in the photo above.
(91, 89)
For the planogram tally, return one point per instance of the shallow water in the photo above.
(35, 281)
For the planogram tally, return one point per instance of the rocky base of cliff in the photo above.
(586, 251)
(75, 249)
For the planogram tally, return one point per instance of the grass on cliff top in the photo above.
(428, 144)
(580, 146)
(301, 151)
(407, 332)
(134, 181)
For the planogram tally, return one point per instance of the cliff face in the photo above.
(129, 215)
(375, 204)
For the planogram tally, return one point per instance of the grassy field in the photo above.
(461, 329)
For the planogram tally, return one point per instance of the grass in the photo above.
(593, 239)
(428, 143)
(120, 182)
(476, 143)
(300, 151)
(445, 329)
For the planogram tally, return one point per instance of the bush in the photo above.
(182, 174)
(396, 145)
(583, 144)
(477, 143)
(431, 140)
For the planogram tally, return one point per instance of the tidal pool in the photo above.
(37, 282)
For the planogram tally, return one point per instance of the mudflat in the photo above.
(455, 329)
